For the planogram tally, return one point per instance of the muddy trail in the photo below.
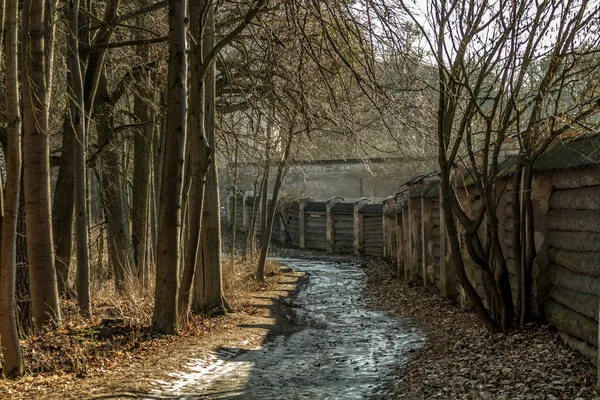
(331, 346)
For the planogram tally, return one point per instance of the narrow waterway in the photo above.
(340, 349)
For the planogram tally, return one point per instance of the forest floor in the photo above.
(459, 358)
(121, 359)
(462, 360)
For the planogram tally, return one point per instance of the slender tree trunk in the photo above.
(251, 226)
(78, 124)
(94, 70)
(113, 196)
(265, 236)
(141, 183)
(167, 268)
(62, 210)
(529, 243)
(199, 162)
(234, 204)
(158, 161)
(24, 308)
(44, 288)
(517, 239)
(208, 293)
(265, 195)
(9, 335)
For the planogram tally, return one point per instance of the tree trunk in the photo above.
(78, 124)
(199, 162)
(141, 183)
(264, 241)
(62, 210)
(94, 70)
(208, 294)
(113, 197)
(529, 254)
(24, 313)
(234, 204)
(265, 235)
(44, 288)
(252, 222)
(167, 263)
(9, 334)
(157, 165)
(454, 243)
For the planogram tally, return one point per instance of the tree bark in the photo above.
(234, 203)
(167, 268)
(78, 124)
(9, 335)
(44, 288)
(62, 210)
(113, 197)
(199, 161)
(141, 183)
(208, 294)
(265, 236)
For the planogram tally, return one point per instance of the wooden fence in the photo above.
(408, 230)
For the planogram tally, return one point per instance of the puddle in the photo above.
(342, 350)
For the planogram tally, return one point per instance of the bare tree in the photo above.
(78, 124)
(11, 348)
(44, 289)
(167, 271)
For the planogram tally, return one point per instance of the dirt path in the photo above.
(311, 337)
(247, 329)
(334, 347)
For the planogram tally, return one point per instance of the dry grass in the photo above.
(239, 277)
(120, 327)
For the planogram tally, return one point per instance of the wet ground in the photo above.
(333, 347)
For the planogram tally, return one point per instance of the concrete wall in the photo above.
(336, 178)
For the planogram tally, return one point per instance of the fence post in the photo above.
(244, 211)
(302, 223)
(357, 228)
(329, 227)
(405, 242)
(398, 241)
(384, 227)
(423, 242)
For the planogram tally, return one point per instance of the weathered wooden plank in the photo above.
(587, 198)
(576, 178)
(574, 241)
(560, 276)
(574, 220)
(316, 245)
(316, 236)
(344, 224)
(581, 263)
(571, 322)
(348, 231)
(584, 303)
(316, 223)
